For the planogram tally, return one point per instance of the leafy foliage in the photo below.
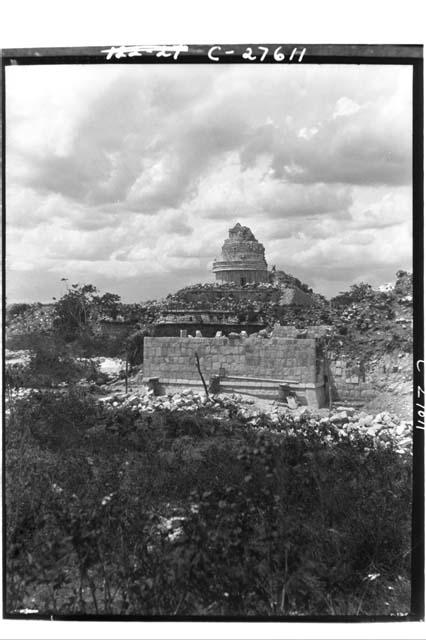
(134, 347)
(16, 310)
(51, 362)
(110, 304)
(75, 310)
(266, 522)
(109, 511)
(404, 283)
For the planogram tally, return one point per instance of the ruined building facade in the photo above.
(234, 302)
(243, 259)
(223, 324)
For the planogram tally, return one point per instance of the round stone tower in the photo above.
(243, 258)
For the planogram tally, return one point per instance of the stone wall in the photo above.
(241, 362)
(208, 330)
(115, 328)
(318, 330)
(348, 381)
(279, 358)
(291, 331)
(241, 276)
(246, 294)
(294, 296)
(285, 331)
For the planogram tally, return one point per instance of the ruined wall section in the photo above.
(291, 331)
(117, 329)
(290, 296)
(208, 329)
(211, 297)
(241, 270)
(243, 258)
(273, 358)
(349, 381)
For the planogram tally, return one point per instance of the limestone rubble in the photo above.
(384, 426)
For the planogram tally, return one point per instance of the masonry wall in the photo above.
(250, 294)
(123, 329)
(290, 296)
(169, 329)
(276, 358)
(348, 381)
(291, 331)
(249, 276)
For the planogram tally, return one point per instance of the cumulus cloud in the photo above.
(116, 173)
(345, 107)
(255, 191)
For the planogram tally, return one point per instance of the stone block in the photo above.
(303, 359)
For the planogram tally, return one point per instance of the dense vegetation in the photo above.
(294, 520)
(363, 322)
(109, 511)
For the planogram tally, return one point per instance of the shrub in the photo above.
(292, 520)
(15, 310)
(79, 309)
(404, 283)
(135, 347)
(307, 523)
(50, 363)
(90, 345)
(52, 419)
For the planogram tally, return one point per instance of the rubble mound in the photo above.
(32, 318)
(384, 427)
(373, 324)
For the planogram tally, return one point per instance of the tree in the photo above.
(134, 346)
(360, 291)
(17, 309)
(357, 293)
(110, 304)
(79, 308)
(404, 283)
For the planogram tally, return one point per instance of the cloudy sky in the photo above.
(129, 176)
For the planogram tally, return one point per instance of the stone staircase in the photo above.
(259, 387)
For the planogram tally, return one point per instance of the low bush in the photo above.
(90, 345)
(297, 520)
(50, 363)
(25, 341)
(15, 310)
(308, 523)
(135, 347)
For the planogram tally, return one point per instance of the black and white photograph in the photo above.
(211, 409)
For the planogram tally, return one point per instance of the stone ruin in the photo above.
(266, 365)
(262, 365)
(243, 258)
(242, 281)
